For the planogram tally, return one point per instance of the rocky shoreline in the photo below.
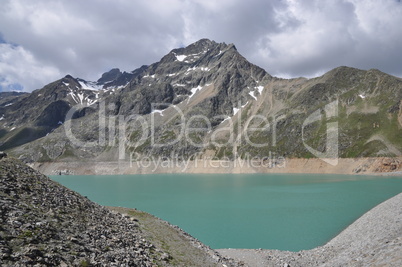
(183, 248)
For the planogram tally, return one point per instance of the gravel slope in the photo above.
(46, 224)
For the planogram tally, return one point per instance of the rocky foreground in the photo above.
(46, 224)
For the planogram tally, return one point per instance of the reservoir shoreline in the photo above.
(375, 239)
(365, 166)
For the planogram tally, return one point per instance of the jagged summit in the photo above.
(111, 75)
(201, 46)
(197, 47)
(68, 76)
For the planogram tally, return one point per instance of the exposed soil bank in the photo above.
(388, 166)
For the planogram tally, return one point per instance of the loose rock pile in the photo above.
(46, 224)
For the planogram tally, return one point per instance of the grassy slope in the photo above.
(183, 249)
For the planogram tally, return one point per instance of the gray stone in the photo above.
(3, 155)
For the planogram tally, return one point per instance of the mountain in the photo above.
(206, 101)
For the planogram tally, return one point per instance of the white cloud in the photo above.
(18, 66)
(87, 38)
(288, 38)
(363, 34)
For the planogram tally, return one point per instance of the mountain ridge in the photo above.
(231, 109)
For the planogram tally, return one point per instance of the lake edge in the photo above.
(371, 166)
(232, 179)
(339, 251)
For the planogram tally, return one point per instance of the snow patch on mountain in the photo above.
(252, 95)
(89, 85)
(180, 57)
(194, 91)
(159, 111)
(81, 98)
(260, 88)
(235, 110)
(227, 118)
(197, 68)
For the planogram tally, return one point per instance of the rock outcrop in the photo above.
(3, 155)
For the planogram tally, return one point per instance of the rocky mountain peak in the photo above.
(68, 76)
(201, 45)
(198, 50)
(109, 76)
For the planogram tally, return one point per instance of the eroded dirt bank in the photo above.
(390, 166)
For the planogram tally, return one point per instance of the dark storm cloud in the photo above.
(45, 40)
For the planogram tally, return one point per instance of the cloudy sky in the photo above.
(43, 40)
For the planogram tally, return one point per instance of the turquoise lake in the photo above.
(270, 211)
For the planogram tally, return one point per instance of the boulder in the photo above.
(3, 154)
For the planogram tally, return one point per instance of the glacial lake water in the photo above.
(270, 211)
